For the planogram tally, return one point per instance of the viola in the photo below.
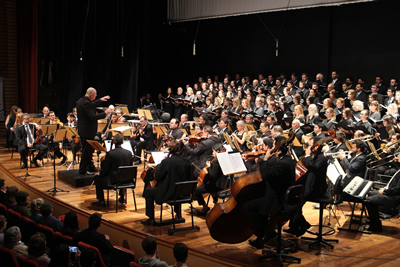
(39, 137)
(204, 176)
(254, 154)
(149, 181)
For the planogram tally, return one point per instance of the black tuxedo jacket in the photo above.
(21, 134)
(115, 158)
(316, 185)
(87, 116)
(354, 167)
(148, 137)
(96, 239)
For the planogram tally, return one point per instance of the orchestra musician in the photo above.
(222, 128)
(45, 112)
(26, 134)
(355, 166)
(240, 135)
(120, 117)
(217, 181)
(106, 134)
(203, 152)
(171, 170)
(174, 131)
(278, 172)
(299, 134)
(388, 196)
(142, 138)
(74, 143)
(113, 160)
(58, 145)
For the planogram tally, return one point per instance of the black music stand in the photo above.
(27, 173)
(51, 143)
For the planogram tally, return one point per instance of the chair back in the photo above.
(64, 239)
(366, 173)
(122, 257)
(14, 218)
(135, 264)
(28, 228)
(184, 190)
(25, 262)
(7, 257)
(3, 210)
(127, 173)
(99, 259)
(49, 233)
(294, 194)
(338, 190)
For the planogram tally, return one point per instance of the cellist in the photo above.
(278, 172)
(217, 181)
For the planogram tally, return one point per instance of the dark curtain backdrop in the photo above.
(28, 52)
(360, 40)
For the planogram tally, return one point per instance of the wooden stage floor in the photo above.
(353, 249)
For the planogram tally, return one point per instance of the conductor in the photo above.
(87, 126)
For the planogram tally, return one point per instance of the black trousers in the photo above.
(206, 188)
(86, 157)
(101, 183)
(23, 151)
(258, 222)
(149, 194)
(138, 146)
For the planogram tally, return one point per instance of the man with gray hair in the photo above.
(87, 126)
(12, 240)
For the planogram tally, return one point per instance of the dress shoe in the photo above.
(121, 200)
(374, 228)
(23, 166)
(257, 243)
(138, 162)
(149, 222)
(34, 163)
(303, 229)
(201, 213)
(269, 235)
(290, 230)
(91, 172)
(99, 203)
(316, 206)
(64, 159)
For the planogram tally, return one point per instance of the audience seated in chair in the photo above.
(180, 255)
(3, 226)
(152, 258)
(92, 237)
(35, 209)
(12, 240)
(10, 197)
(3, 190)
(37, 250)
(71, 225)
(48, 219)
(61, 257)
(23, 201)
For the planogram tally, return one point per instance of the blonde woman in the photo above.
(312, 116)
(330, 118)
(374, 111)
(240, 135)
(298, 113)
(221, 96)
(357, 106)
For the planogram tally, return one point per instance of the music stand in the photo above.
(59, 136)
(97, 147)
(70, 135)
(27, 173)
(146, 113)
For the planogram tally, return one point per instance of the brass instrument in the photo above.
(393, 155)
(287, 131)
(364, 138)
(373, 152)
(336, 154)
(310, 134)
(385, 147)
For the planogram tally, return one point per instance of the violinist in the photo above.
(26, 134)
(57, 145)
(278, 172)
(120, 117)
(203, 152)
(174, 131)
(106, 134)
(75, 143)
(217, 181)
(171, 170)
(113, 160)
(71, 122)
(45, 112)
(142, 138)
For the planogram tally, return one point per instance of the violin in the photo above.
(39, 137)
(148, 176)
(254, 154)
(204, 176)
(57, 121)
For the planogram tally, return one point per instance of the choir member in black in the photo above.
(364, 122)
(203, 152)
(330, 120)
(356, 109)
(113, 160)
(87, 126)
(388, 124)
(298, 113)
(318, 130)
(339, 106)
(142, 138)
(168, 106)
(26, 135)
(171, 170)
(240, 135)
(285, 107)
(178, 109)
(355, 166)
(388, 196)
(174, 131)
(217, 181)
(374, 111)
(9, 123)
(185, 125)
(346, 119)
(278, 172)
(312, 116)
(227, 104)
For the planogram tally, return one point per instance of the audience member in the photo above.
(48, 219)
(37, 249)
(3, 226)
(35, 209)
(151, 259)
(3, 190)
(92, 237)
(88, 257)
(23, 201)
(60, 256)
(71, 225)
(180, 254)
(10, 197)
(12, 240)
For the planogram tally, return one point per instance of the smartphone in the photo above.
(73, 249)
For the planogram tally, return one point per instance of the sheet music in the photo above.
(125, 145)
(158, 156)
(122, 129)
(231, 163)
(228, 148)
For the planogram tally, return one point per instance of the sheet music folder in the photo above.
(231, 163)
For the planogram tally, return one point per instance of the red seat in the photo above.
(14, 219)
(49, 233)
(25, 262)
(28, 228)
(121, 256)
(3, 210)
(64, 239)
(7, 257)
(99, 260)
